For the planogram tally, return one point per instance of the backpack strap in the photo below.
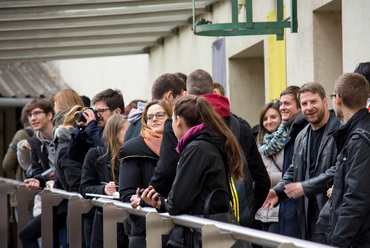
(235, 127)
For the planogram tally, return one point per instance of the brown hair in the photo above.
(262, 130)
(314, 88)
(165, 83)
(353, 88)
(165, 107)
(196, 110)
(67, 98)
(42, 103)
(112, 98)
(292, 90)
(114, 125)
(199, 82)
(220, 87)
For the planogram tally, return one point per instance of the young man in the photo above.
(294, 122)
(314, 153)
(350, 215)
(89, 133)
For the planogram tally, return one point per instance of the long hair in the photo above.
(67, 98)
(165, 107)
(69, 118)
(114, 125)
(262, 130)
(196, 110)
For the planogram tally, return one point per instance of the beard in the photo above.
(318, 119)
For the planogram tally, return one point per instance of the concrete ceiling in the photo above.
(54, 29)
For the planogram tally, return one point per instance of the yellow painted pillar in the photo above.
(276, 65)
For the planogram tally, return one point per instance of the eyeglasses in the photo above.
(158, 115)
(334, 95)
(36, 114)
(101, 111)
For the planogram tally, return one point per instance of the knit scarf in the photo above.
(273, 142)
(153, 140)
(195, 129)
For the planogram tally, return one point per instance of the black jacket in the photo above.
(39, 159)
(95, 170)
(83, 139)
(324, 170)
(200, 170)
(68, 171)
(350, 214)
(137, 166)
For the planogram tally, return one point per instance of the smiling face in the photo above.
(313, 108)
(39, 119)
(288, 107)
(156, 123)
(271, 120)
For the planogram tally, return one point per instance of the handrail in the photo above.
(114, 211)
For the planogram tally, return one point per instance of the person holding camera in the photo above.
(91, 122)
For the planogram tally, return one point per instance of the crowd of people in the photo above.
(185, 152)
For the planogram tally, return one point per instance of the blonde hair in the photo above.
(69, 118)
(67, 98)
(114, 125)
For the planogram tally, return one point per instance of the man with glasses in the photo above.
(350, 214)
(89, 133)
(40, 113)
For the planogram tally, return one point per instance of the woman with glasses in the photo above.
(271, 141)
(139, 158)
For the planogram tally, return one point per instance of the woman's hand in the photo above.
(135, 199)
(110, 188)
(32, 184)
(151, 197)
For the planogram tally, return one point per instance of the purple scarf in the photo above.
(196, 129)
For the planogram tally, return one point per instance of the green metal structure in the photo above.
(236, 28)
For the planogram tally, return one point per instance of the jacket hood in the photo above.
(64, 134)
(206, 135)
(136, 116)
(219, 103)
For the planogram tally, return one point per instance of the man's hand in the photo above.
(26, 145)
(32, 184)
(271, 200)
(89, 115)
(294, 190)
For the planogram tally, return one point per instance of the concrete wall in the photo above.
(126, 73)
(332, 38)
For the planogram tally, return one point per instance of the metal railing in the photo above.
(214, 233)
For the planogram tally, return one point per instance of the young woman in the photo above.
(100, 174)
(271, 140)
(205, 143)
(139, 159)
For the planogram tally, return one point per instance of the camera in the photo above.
(79, 117)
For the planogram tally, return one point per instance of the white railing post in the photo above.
(111, 216)
(155, 227)
(213, 237)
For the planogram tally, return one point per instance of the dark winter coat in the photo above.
(324, 170)
(83, 139)
(288, 217)
(137, 166)
(350, 213)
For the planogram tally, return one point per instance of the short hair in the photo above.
(199, 82)
(67, 98)
(353, 88)
(220, 87)
(312, 87)
(42, 103)
(292, 90)
(183, 77)
(132, 105)
(364, 69)
(113, 99)
(165, 83)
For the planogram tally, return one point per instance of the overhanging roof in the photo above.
(54, 29)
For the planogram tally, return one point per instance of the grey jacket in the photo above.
(324, 170)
